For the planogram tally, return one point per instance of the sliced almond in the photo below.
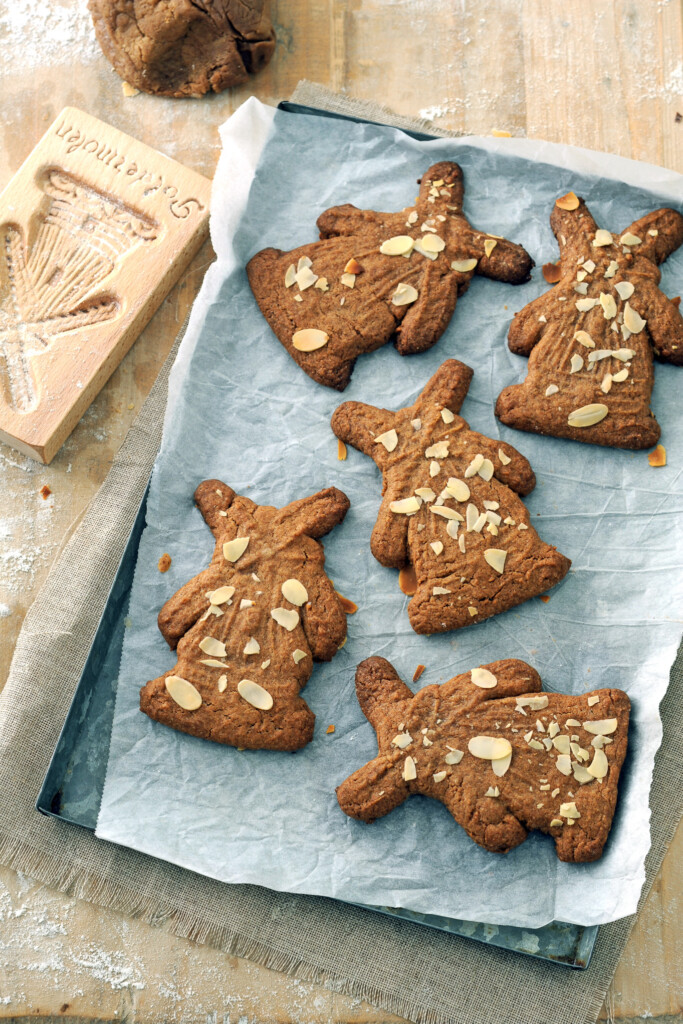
(620, 376)
(437, 451)
(489, 748)
(294, 591)
(285, 617)
(606, 385)
(234, 549)
(470, 607)
(533, 703)
(464, 266)
(483, 678)
(183, 693)
(412, 217)
(440, 591)
(221, 595)
(322, 285)
(632, 320)
(598, 767)
(447, 416)
(402, 740)
(496, 558)
(304, 261)
(628, 238)
(489, 245)
(474, 466)
(624, 289)
(602, 237)
(216, 648)
(437, 547)
(564, 764)
(405, 506)
(439, 776)
(222, 684)
(432, 243)
(348, 280)
(609, 305)
(593, 700)
(486, 470)
(212, 663)
(576, 364)
(252, 646)
(581, 288)
(624, 355)
(404, 295)
(398, 245)
(254, 694)
(426, 493)
(409, 769)
(570, 201)
(501, 765)
(584, 338)
(458, 489)
(447, 513)
(603, 727)
(290, 276)
(612, 269)
(552, 389)
(298, 655)
(389, 439)
(305, 278)
(505, 459)
(416, 424)
(454, 756)
(587, 415)
(452, 528)
(584, 305)
(570, 810)
(309, 339)
(352, 267)
(492, 791)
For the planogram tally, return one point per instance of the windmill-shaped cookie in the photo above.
(450, 507)
(503, 757)
(590, 340)
(248, 627)
(375, 276)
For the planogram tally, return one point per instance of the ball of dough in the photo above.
(184, 47)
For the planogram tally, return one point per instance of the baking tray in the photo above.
(72, 788)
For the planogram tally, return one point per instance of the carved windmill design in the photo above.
(80, 239)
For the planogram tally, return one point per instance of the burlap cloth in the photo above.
(413, 971)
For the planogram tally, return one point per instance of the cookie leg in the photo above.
(373, 791)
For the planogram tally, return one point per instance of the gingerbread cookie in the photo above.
(590, 340)
(248, 628)
(450, 507)
(181, 48)
(374, 276)
(503, 757)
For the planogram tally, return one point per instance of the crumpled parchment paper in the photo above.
(241, 410)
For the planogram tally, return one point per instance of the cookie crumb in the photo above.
(545, 598)
(45, 492)
(418, 672)
(129, 90)
(164, 562)
(329, 730)
(551, 272)
(658, 456)
(341, 451)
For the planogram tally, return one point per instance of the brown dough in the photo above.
(184, 47)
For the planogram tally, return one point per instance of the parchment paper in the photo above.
(241, 410)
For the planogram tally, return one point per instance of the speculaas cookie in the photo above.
(450, 507)
(503, 757)
(183, 48)
(590, 340)
(248, 627)
(374, 276)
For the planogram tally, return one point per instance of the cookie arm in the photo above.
(346, 220)
(513, 678)
(315, 515)
(517, 474)
(574, 230)
(323, 618)
(211, 498)
(668, 225)
(508, 262)
(359, 424)
(374, 790)
(179, 614)
(487, 821)
(453, 186)
(428, 318)
(665, 325)
(389, 540)
(378, 686)
(447, 388)
(526, 330)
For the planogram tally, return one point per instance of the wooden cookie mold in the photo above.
(95, 229)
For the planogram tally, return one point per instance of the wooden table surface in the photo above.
(605, 74)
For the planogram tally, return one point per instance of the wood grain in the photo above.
(603, 75)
